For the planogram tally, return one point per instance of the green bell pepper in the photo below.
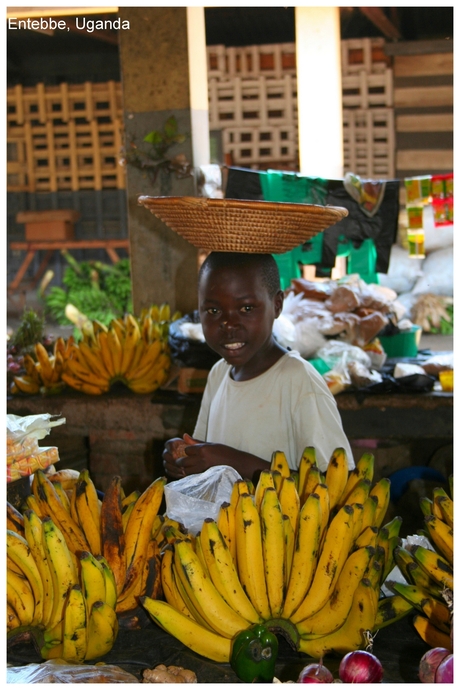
(254, 653)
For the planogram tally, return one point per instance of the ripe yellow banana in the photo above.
(430, 634)
(364, 469)
(80, 370)
(200, 640)
(289, 501)
(92, 356)
(83, 386)
(132, 337)
(219, 615)
(305, 555)
(382, 491)
(88, 511)
(223, 572)
(336, 476)
(368, 537)
(265, 481)
(227, 526)
(351, 635)
(279, 462)
(446, 506)
(19, 551)
(114, 345)
(151, 352)
(289, 548)
(103, 343)
(333, 555)
(369, 509)
(391, 609)
(67, 478)
(20, 597)
(306, 461)
(63, 572)
(140, 523)
(14, 519)
(358, 511)
(336, 609)
(314, 477)
(102, 630)
(442, 536)
(437, 567)
(271, 519)
(92, 579)
(110, 584)
(360, 492)
(26, 384)
(249, 555)
(33, 532)
(46, 368)
(169, 585)
(75, 634)
(12, 620)
(323, 492)
(31, 369)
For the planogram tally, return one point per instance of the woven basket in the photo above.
(230, 225)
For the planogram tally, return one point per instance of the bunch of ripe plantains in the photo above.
(428, 590)
(303, 552)
(76, 563)
(132, 350)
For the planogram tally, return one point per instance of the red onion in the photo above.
(360, 667)
(315, 673)
(445, 670)
(430, 662)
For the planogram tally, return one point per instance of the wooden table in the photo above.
(50, 246)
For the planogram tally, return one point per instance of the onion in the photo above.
(315, 673)
(445, 670)
(360, 667)
(430, 662)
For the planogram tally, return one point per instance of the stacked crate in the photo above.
(253, 102)
(65, 137)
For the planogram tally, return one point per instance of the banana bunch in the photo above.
(67, 604)
(43, 374)
(134, 351)
(121, 529)
(303, 552)
(429, 572)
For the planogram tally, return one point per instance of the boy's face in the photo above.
(237, 316)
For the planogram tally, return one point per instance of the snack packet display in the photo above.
(23, 454)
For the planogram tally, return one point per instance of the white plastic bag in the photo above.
(192, 499)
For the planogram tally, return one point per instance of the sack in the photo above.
(193, 499)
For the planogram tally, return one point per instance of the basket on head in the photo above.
(232, 225)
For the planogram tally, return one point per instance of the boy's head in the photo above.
(239, 297)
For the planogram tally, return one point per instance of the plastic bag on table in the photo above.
(192, 499)
(24, 456)
(60, 671)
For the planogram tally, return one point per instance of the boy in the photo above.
(259, 397)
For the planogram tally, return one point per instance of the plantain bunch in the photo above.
(429, 571)
(43, 374)
(303, 552)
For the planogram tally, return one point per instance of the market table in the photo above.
(398, 647)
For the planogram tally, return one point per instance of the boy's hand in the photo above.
(173, 450)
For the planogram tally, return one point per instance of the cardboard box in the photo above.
(192, 380)
(50, 225)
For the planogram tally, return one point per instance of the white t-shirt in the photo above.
(287, 408)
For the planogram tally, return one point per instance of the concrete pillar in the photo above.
(319, 91)
(163, 47)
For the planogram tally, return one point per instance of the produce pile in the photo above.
(132, 350)
(76, 564)
(305, 556)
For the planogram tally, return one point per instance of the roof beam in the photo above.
(377, 16)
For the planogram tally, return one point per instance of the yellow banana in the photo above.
(223, 572)
(14, 519)
(279, 462)
(382, 491)
(46, 369)
(265, 480)
(315, 477)
(369, 509)
(169, 585)
(333, 555)
(27, 385)
(150, 354)
(138, 353)
(364, 469)
(305, 555)
(63, 572)
(219, 615)
(127, 514)
(289, 548)
(132, 337)
(336, 476)
(164, 312)
(102, 630)
(118, 326)
(19, 551)
(110, 584)
(289, 501)
(31, 503)
(360, 492)
(93, 358)
(103, 342)
(336, 609)
(430, 634)
(227, 527)
(271, 520)
(31, 369)
(442, 536)
(88, 511)
(249, 555)
(306, 461)
(351, 635)
(20, 597)
(67, 478)
(191, 634)
(391, 609)
(12, 620)
(435, 610)
(446, 506)
(75, 632)
(368, 537)
(80, 371)
(140, 523)
(33, 532)
(92, 579)
(437, 567)
(83, 386)
(63, 497)
(323, 492)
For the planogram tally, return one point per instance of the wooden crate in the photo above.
(268, 60)
(369, 142)
(366, 54)
(65, 137)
